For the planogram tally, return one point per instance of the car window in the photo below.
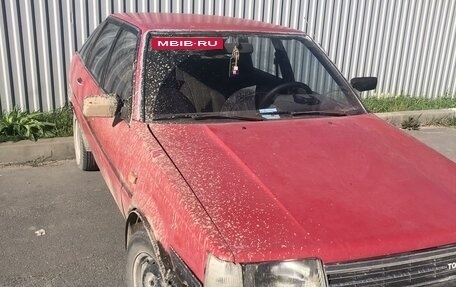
(307, 69)
(265, 74)
(119, 75)
(264, 59)
(84, 52)
(100, 50)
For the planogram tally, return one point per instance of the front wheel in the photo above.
(143, 266)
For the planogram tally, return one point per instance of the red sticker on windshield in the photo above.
(187, 43)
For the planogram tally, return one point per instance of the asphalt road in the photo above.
(441, 139)
(82, 243)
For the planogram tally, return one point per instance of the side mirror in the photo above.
(104, 106)
(364, 83)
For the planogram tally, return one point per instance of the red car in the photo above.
(240, 156)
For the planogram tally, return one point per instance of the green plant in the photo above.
(451, 122)
(411, 123)
(446, 121)
(17, 125)
(62, 119)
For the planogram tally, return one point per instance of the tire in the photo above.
(84, 157)
(143, 265)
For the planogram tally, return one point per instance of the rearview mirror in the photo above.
(364, 83)
(244, 48)
(104, 106)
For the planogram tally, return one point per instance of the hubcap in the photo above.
(146, 272)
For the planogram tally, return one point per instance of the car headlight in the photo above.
(222, 274)
(293, 273)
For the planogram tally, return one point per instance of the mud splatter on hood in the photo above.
(334, 188)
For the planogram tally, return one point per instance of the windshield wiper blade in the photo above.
(257, 117)
(222, 116)
(320, 113)
(307, 113)
(209, 117)
(172, 117)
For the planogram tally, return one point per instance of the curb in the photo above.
(424, 117)
(62, 148)
(36, 152)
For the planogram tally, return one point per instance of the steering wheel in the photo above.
(269, 98)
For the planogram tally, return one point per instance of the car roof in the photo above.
(193, 22)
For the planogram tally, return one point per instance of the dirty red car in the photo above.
(240, 156)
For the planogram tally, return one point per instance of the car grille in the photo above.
(435, 267)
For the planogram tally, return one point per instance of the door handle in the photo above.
(79, 80)
(132, 177)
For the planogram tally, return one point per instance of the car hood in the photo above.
(334, 188)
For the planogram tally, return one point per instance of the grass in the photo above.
(17, 125)
(411, 124)
(448, 122)
(406, 103)
(63, 120)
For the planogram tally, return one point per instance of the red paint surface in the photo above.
(333, 188)
(162, 22)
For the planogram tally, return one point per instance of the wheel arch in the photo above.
(134, 217)
(179, 271)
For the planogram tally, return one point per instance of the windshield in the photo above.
(242, 77)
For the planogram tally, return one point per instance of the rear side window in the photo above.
(100, 50)
(119, 75)
(84, 52)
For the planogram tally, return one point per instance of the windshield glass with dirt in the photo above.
(241, 77)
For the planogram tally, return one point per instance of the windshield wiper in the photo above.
(222, 116)
(308, 113)
(198, 117)
(171, 117)
(320, 113)
(257, 117)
